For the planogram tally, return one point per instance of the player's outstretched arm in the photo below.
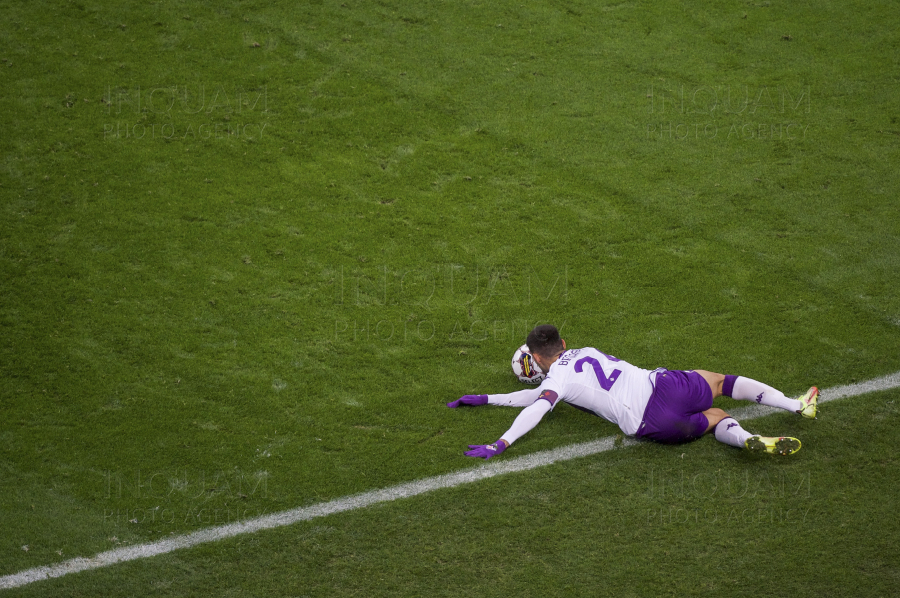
(525, 422)
(519, 398)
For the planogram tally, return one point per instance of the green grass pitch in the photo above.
(248, 250)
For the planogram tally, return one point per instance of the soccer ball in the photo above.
(525, 367)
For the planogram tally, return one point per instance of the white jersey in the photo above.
(601, 384)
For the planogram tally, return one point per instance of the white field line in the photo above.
(358, 501)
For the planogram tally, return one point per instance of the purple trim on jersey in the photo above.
(674, 413)
(728, 385)
(549, 396)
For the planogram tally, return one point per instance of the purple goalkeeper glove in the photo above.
(473, 400)
(486, 451)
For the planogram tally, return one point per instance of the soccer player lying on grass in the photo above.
(668, 406)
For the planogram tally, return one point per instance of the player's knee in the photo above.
(714, 415)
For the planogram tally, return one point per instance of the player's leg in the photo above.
(680, 410)
(715, 381)
(729, 431)
(746, 389)
(714, 415)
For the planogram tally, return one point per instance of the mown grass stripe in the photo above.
(409, 489)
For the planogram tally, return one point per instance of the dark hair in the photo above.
(544, 340)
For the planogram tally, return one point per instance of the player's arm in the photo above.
(526, 421)
(520, 398)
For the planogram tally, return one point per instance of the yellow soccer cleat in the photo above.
(810, 403)
(775, 445)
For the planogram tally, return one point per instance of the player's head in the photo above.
(544, 342)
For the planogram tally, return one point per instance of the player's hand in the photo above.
(473, 400)
(486, 451)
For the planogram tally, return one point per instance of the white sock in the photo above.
(730, 432)
(746, 389)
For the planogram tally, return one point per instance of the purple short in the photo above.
(675, 411)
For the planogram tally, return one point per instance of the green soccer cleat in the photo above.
(775, 445)
(810, 403)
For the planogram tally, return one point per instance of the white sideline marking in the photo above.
(358, 501)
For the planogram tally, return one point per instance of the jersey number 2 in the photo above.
(605, 383)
